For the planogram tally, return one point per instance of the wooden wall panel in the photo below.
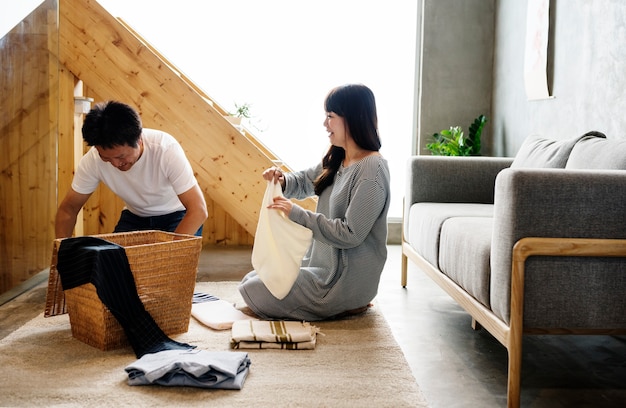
(30, 103)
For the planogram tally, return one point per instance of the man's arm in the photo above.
(68, 211)
(196, 214)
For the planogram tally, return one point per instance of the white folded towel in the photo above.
(275, 334)
(217, 314)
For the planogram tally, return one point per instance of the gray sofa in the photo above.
(534, 244)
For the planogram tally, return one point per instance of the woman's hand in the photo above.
(282, 204)
(275, 174)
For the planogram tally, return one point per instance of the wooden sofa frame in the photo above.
(511, 336)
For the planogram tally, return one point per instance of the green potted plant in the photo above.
(241, 111)
(453, 142)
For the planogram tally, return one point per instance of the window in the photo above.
(283, 56)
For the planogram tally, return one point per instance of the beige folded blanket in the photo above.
(275, 334)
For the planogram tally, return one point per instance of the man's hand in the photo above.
(196, 211)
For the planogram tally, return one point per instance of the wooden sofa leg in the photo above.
(476, 325)
(515, 368)
(404, 270)
(514, 343)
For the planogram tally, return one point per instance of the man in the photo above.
(146, 168)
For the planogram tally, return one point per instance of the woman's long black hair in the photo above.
(357, 105)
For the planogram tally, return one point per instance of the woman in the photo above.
(341, 271)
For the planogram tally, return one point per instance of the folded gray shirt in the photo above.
(193, 368)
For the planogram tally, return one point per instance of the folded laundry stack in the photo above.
(191, 368)
(275, 334)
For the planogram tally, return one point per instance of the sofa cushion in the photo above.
(598, 153)
(538, 152)
(426, 219)
(464, 254)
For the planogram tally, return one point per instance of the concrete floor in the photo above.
(453, 365)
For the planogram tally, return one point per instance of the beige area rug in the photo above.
(356, 363)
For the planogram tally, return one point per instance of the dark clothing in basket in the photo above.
(84, 260)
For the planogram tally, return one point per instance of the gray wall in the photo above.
(455, 41)
(587, 59)
(470, 60)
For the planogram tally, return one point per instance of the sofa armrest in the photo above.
(442, 179)
(555, 203)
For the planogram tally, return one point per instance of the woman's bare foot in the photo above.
(245, 309)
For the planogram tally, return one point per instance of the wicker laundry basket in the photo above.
(164, 266)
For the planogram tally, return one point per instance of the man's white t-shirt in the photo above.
(151, 186)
